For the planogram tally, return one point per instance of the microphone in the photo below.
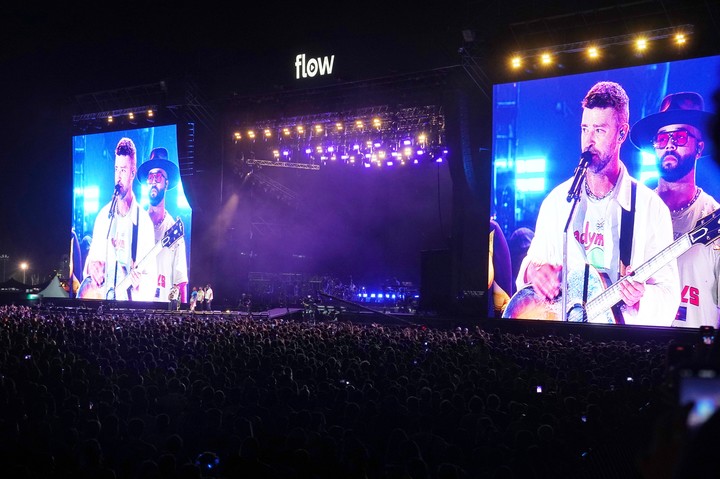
(115, 195)
(580, 170)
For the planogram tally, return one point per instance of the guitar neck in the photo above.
(124, 283)
(611, 296)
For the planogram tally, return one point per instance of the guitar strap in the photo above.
(586, 282)
(134, 246)
(627, 226)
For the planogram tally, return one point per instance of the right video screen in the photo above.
(575, 158)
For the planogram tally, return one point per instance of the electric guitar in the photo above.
(89, 289)
(602, 297)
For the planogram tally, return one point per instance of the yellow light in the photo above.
(267, 133)
(286, 131)
(376, 122)
(680, 38)
(237, 135)
(318, 128)
(110, 119)
(276, 153)
(150, 113)
(593, 52)
(422, 138)
(131, 115)
(516, 62)
(300, 129)
(546, 59)
(641, 44)
(338, 126)
(358, 124)
(251, 134)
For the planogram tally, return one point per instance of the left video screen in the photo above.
(131, 224)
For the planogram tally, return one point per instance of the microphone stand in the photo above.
(573, 196)
(111, 217)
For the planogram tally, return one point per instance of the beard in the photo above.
(685, 164)
(603, 160)
(157, 197)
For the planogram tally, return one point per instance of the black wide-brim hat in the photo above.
(159, 159)
(686, 108)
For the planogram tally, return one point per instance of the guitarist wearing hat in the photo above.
(162, 175)
(677, 135)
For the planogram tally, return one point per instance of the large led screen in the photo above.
(131, 224)
(541, 131)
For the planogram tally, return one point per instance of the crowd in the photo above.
(149, 395)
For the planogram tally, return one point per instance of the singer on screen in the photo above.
(122, 235)
(612, 225)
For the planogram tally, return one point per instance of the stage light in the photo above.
(24, 267)
(339, 126)
(276, 154)
(376, 123)
(131, 115)
(267, 133)
(237, 136)
(359, 124)
(286, 131)
(318, 128)
(300, 130)
(640, 40)
(251, 134)
(110, 119)
(150, 114)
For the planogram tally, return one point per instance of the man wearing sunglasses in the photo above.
(161, 175)
(677, 135)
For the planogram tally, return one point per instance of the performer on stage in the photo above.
(209, 296)
(122, 237)
(594, 236)
(162, 175)
(677, 135)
